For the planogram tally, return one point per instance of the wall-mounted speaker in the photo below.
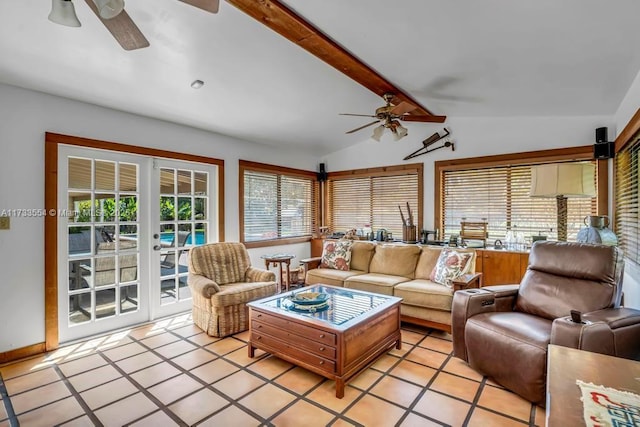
(322, 175)
(601, 135)
(604, 150)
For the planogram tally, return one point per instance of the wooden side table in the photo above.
(283, 261)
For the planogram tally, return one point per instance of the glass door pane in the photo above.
(183, 221)
(102, 273)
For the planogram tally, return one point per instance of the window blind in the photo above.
(626, 201)
(277, 206)
(500, 196)
(355, 202)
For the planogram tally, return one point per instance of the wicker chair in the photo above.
(222, 281)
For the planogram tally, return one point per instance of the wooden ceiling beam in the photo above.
(288, 24)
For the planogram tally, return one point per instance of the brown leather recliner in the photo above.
(504, 331)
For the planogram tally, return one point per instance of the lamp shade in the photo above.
(63, 13)
(377, 133)
(563, 179)
(109, 8)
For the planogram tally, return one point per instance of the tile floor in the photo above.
(171, 373)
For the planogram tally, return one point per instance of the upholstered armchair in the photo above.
(222, 281)
(504, 331)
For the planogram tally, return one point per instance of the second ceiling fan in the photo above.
(389, 115)
(113, 16)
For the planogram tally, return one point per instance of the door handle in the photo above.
(157, 247)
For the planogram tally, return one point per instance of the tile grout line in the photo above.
(144, 392)
(8, 406)
(232, 402)
(87, 411)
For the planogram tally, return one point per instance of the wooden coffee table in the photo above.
(338, 342)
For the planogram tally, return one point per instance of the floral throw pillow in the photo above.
(451, 264)
(336, 254)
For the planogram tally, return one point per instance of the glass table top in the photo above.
(341, 304)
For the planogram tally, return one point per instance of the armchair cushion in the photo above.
(511, 348)
(336, 254)
(222, 262)
(555, 283)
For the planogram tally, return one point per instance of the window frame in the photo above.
(393, 170)
(579, 153)
(626, 140)
(246, 165)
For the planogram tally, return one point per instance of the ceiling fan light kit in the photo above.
(63, 13)
(113, 16)
(389, 115)
(109, 9)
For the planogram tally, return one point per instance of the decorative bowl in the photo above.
(309, 298)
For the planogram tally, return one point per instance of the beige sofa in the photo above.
(402, 271)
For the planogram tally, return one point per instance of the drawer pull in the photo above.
(259, 338)
(321, 348)
(321, 335)
(322, 362)
(259, 315)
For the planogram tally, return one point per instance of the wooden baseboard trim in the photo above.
(426, 323)
(21, 353)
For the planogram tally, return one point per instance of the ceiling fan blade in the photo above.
(208, 5)
(403, 108)
(362, 127)
(423, 118)
(123, 29)
(357, 115)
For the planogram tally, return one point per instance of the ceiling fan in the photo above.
(389, 115)
(115, 18)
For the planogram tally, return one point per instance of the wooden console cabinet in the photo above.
(499, 267)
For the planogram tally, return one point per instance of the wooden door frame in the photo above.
(52, 143)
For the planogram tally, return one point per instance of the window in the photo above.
(276, 204)
(496, 190)
(626, 192)
(358, 198)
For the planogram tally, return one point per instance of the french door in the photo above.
(125, 226)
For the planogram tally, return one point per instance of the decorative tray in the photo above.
(309, 298)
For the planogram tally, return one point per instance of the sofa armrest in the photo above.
(469, 302)
(202, 285)
(613, 331)
(467, 281)
(260, 275)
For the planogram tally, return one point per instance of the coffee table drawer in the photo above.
(311, 333)
(320, 349)
(279, 347)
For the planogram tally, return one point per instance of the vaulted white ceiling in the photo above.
(458, 58)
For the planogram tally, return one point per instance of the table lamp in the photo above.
(563, 180)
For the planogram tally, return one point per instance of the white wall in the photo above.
(25, 116)
(627, 109)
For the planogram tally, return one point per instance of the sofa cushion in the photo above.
(424, 293)
(427, 261)
(361, 253)
(451, 265)
(328, 276)
(374, 282)
(395, 260)
(336, 254)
